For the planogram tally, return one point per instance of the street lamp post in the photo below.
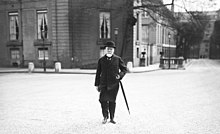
(44, 60)
(116, 35)
(169, 36)
(183, 47)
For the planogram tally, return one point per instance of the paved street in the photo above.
(161, 102)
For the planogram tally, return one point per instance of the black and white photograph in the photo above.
(109, 67)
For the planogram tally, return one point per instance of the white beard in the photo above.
(109, 55)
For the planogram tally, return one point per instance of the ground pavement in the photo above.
(161, 102)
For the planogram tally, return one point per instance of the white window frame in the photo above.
(42, 21)
(13, 26)
(41, 52)
(104, 25)
(15, 54)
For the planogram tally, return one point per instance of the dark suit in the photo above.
(107, 70)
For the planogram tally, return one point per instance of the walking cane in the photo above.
(124, 96)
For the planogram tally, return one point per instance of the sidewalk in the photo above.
(149, 68)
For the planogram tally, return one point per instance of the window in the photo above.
(15, 54)
(42, 24)
(138, 1)
(157, 34)
(207, 45)
(144, 33)
(14, 26)
(104, 25)
(207, 35)
(137, 55)
(43, 53)
(137, 30)
(145, 13)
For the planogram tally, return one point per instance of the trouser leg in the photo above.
(112, 106)
(105, 107)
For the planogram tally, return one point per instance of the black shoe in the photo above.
(112, 121)
(104, 121)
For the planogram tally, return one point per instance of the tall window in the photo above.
(145, 33)
(163, 35)
(104, 25)
(137, 54)
(145, 13)
(42, 24)
(157, 34)
(137, 35)
(14, 26)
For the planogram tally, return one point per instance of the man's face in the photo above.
(110, 50)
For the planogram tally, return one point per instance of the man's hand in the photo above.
(97, 88)
(118, 77)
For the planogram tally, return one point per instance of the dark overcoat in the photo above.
(107, 70)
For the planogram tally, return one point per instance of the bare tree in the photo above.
(159, 13)
(215, 41)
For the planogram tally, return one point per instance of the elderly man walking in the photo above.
(111, 69)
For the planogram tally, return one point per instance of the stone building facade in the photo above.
(69, 31)
(150, 38)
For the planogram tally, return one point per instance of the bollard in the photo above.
(57, 67)
(30, 67)
(129, 66)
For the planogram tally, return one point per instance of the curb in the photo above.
(47, 72)
(63, 72)
(73, 71)
(143, 71)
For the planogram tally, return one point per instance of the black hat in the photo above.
(110, 44)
